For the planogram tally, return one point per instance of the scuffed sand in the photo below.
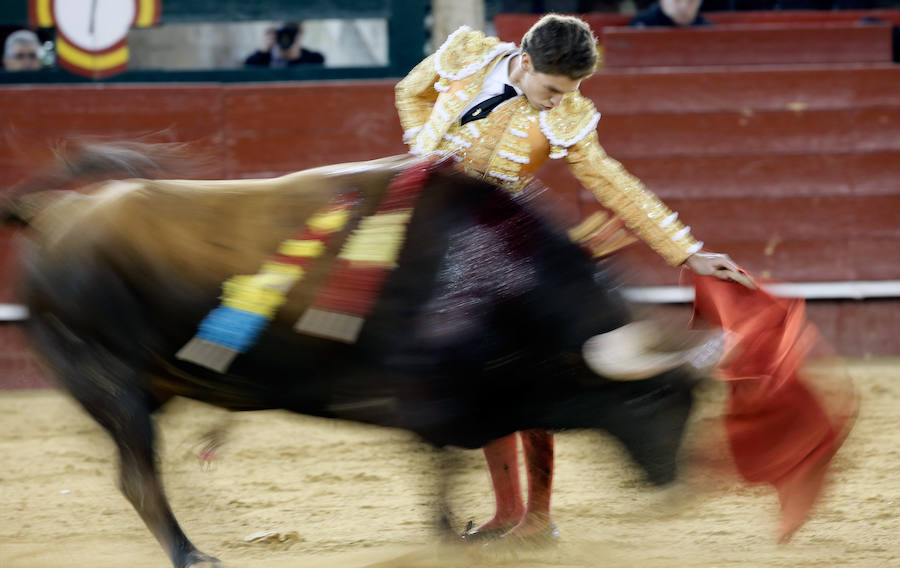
(344, 495)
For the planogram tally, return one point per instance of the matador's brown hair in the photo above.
(561, 45)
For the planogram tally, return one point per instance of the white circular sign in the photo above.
(94, 25)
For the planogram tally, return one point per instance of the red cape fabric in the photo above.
(779, 429)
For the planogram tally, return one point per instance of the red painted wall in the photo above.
(511, 27)
(758, 44)
(794, 172)
(249, 130)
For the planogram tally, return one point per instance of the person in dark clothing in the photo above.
(283, 49)
(670, 13)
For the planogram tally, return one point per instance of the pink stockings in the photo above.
(502, 460)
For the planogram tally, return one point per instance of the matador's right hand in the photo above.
(720, 266)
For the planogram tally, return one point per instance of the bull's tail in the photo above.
(81, 162)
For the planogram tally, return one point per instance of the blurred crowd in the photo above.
(22, 51)
(585, 6)
(282, 45)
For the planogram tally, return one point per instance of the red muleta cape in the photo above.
(782, 429)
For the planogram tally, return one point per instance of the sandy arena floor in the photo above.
(343, 495)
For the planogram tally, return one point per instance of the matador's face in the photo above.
(543, 90)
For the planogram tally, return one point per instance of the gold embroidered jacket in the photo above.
(515, 139)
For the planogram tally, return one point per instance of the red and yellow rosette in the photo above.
(91, 35)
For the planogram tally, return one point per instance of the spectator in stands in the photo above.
(503, 111)
(283, 49)
(22, 51)
(671, 13)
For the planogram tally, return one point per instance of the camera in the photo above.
(286, 35)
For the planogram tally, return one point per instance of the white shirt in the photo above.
(494, 82)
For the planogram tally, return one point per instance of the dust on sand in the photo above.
(290, 491)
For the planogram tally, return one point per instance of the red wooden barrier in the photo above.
(772, 176)
(794, 172)
(682, 90)
(39, 117)
(794, 240)
(248, 131)
(7, 266)
(18, 368)
(259, 131)
(762, 44)
(794, 218)
(797, 16)
(511, 27)
(735, 134)
(832, 260)
(289, 127)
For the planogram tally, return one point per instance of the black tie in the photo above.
(485, 107)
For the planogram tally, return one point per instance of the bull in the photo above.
(477, 331)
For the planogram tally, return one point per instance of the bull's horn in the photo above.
(632, 352)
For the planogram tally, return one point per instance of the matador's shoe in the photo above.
(544, 538)
(475, 536)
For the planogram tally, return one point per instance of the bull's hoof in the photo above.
(197, 559)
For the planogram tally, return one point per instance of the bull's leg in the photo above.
(140, 483)
(110, 390)
(129, 423)
(131, 427)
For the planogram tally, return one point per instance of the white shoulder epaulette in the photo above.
(570, 121)
(465, 52)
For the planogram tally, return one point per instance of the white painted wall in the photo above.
(344, 42)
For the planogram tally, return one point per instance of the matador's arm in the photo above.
(643, 213)
(415, 96)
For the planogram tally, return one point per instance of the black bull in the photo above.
(477, 332)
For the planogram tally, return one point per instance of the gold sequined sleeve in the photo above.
(415, 96)
(643, 213)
